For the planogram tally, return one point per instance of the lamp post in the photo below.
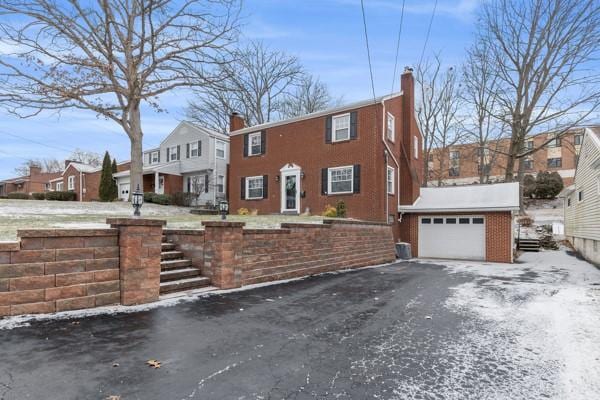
(224, 209)
(137, 199)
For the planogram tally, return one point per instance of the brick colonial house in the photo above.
(461, 162)
(36, 181)
(368, 155)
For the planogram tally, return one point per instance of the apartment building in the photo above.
(190, 159)
(461, 164)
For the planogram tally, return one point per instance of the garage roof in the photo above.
(494, 197)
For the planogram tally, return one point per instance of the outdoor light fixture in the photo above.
(302, 174)
(137, 199)
(224, 209)
(276, 178)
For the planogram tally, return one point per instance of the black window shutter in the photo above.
(353, 125)
(265, 186)
(178, 152)
(149, 158)
(324, 178)
(243, 188)
(189, 184)
(357, 178)
(246, 145)
(199, 148)
(205, 183)
(187, 150)
(168, 154)
(263, 142)
(328, 130)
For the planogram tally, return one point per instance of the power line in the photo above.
(362, 6)
(36, 142)
(398, 47)
(428, 32)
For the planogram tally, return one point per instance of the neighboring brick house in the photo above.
(36, 181)
(582, 200)
(366, 154)
(190, 159)
(461, 163)
(82, 179)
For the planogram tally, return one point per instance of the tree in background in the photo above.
(106, 191)
(46, 164)
(529, 186)
(86, 157)
(114, 188)
(548, 185)
(262, 85)
(110, 57)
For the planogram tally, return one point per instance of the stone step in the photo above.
(174, 264)
(179, 273)
(184, 284)
(171, 255)
(167, 246)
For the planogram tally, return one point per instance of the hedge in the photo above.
(184, 199)
(39, 195)
(61, 196)
(18, 196)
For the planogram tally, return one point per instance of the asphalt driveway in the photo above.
(404, 331)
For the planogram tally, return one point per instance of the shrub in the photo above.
(39, 195)
(106, 180)
(329, 211)
(163, 199)
(243, 211)
(61, 196)
(548, 185)
(183, 199)
(18, 196)
(149, 197)
(340, 209)
(525, 220)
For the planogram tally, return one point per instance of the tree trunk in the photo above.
(425, 169)
(136, 136)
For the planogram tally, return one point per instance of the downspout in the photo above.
(215, 175)
(80, 186)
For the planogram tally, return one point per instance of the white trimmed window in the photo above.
(341, 180)
(391, 175)
(341, 127)
(391, 127)
(194, 149)
(59, 186)
(173, 153)
(71, 182)
(221, 184)
(254, 144)
(154, 157)
(254, 187)
(220, 149)
(416, 146)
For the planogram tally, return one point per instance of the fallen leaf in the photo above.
(153, 363)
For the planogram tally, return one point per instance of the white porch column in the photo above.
(156, 182)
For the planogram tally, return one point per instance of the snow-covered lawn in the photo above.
(29, 214)
(543, 315)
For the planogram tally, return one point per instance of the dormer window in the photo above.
(341, 127)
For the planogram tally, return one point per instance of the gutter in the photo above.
(408, 210)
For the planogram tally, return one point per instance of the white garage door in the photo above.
(460, 237)
(124, 191)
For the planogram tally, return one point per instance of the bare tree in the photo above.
(86, 157)
(438, 113)
(311, 95)
(480, 84)
(109, 56)
(255, 85)
(46, 164)
(540, 52)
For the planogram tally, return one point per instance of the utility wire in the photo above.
(428, 32)
(36, 142)
(397, 48)
(362, 6)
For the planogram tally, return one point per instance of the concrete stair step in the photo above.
(166, 265)
(179, 273)
(184, 284)
(167, 246)
(171, 255)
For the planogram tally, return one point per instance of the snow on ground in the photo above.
(540, 317)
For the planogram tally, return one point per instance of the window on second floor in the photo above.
(529, 144)
(71, 182)
(255, 144)
(554, 162)
(341, 127)
(220, 149)
(528, 164)
(577, 139)
(154, 157)
(390, 180)
(172, 153)
(194, 149)
(391, 127)
(455, 155)
(555, 142)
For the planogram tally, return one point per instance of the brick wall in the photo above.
(59, 270)
(498, 234)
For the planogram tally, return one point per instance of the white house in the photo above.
(190, 159)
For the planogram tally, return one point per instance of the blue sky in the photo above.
(327, 36)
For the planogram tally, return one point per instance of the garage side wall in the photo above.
(498, 234)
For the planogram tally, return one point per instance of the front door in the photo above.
(290, 192)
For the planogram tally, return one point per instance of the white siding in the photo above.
(582, 219)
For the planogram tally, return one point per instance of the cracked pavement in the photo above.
(442, 330)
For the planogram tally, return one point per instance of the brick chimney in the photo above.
(412, 167)
(236, 122)
(35, 170)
